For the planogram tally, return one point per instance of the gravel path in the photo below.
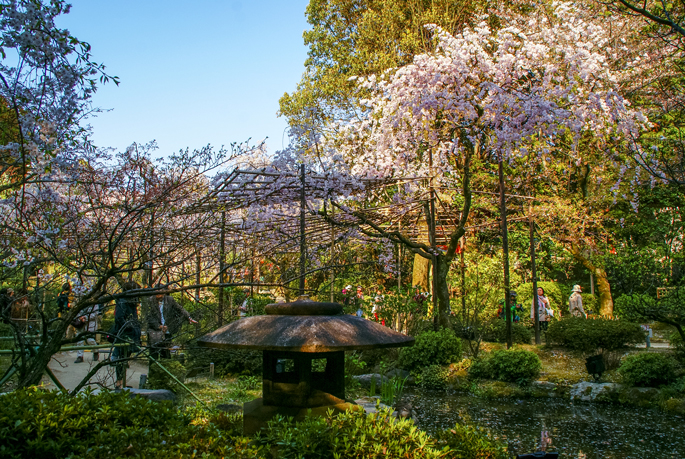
(70, 374)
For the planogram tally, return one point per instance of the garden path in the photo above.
(70, 374)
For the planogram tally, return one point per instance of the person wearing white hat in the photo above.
(575, 302)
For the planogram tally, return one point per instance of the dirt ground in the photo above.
(70, 374)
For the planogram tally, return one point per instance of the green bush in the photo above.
(52, 425)
(514, 365)
(157, 378)
(480, 368)
(648, 370)
(496, 332)
(467, 442)
(377, 435)
(590, 303)
(433, 377)
(679, 347)
(588, 336)
(432, 348)
(226, 361)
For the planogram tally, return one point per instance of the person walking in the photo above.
(64, 300)
(89, 323)
(575, 302)
(164, 320)
(6, 299)
(126, 331)
(544, 309)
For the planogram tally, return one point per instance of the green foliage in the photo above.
(556, 293)
(256, 304)
(588, 336)
(514, 365)
(669, 309)
(226, 361)
(468, 442)
(496, 332)
(51, 425)
(433, 377)
(432, 348)
(347, 435)
(354, 365)
(348, 38)
(679, 347)
(648, 369)
(391, 389)
(590, 303)
(157, 378)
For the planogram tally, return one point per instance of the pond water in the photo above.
(588, 431)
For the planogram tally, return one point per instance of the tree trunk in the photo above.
(422, 266)
(606, 303)
(442, 291)
(420, 273)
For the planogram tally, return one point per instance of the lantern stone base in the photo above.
(256, 415)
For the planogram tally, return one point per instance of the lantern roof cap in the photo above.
(304, 326)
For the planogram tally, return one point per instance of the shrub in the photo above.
(648, 370)
(467, 442)
(514, 365)
(480, 368)
(433, 377)
(376, 435)
(589, 335)
(590, 303)
(157, 378)
(432, 348)
(51, 425)
(679, 347)
(226, 361)
(497, 333)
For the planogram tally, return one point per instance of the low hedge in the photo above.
(226, 361)
(514, 365)
(47, 425)
(590, 335)
(648, 370)
(51, 425)
(433, 377)
(432, 348)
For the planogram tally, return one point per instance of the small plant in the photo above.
(391, 389)
(372, 388)
(432, 348)
(433, 377)
(160, 379)
(515, 365)
(648, 370)
(466, 442)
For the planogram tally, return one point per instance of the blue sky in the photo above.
(192, 73)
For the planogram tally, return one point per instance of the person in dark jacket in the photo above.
(126, 330)
(6, 299)
(63, 299)
(164, 319)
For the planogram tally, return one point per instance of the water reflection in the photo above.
(574, 430)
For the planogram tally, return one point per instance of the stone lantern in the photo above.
(304, 344)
